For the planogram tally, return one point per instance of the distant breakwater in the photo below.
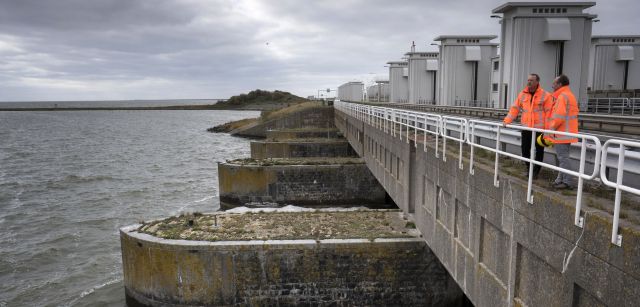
(186, 107)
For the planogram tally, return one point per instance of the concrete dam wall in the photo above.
(500, 249)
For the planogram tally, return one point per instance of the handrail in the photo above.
(608, 105)
(398, 121)
(583, 140)
(618, 185)
(461, 123)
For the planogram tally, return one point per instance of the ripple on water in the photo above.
(69, 180)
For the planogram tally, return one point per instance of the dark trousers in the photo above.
(526, 149)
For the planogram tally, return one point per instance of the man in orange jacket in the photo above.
(563, 117)
(535, 103)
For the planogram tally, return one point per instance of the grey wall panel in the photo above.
(527, 48)
(398, 84)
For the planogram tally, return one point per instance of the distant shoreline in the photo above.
(185, 107)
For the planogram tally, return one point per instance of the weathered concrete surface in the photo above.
(301, 149)
(314, 117)
(303, 133)
(382, 272)
(500, 249)
(323, 185)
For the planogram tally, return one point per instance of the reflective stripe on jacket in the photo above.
(564, 116)
(534, 109)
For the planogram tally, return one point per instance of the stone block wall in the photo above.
(502, 250)
(309, 185)
(384, 272)
(288, 134)
(301, 149)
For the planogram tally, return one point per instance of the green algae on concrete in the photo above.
(316, 225)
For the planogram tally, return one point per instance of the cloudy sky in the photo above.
(181, 49)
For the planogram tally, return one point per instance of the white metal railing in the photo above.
(611, 105)
(473, 103)
(618, 184)
(634, 104)
(587, 142)
(465, 131)
(459, 125)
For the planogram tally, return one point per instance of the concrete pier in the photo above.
(301, 148)
(306, 182)
(397, 270)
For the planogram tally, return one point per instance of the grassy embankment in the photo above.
(273, 105)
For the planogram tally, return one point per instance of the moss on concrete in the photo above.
(309, 140)
(296, 161)
(317, 225)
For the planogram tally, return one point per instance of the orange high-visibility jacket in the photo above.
(535, 109)
(564, 116)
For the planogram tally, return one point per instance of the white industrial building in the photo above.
(398, 81)
(378, 92)
(614, 63)
(547, 38)
(351, 91)
(464, 69)
(423, 68)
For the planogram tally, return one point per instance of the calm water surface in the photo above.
(69, 180)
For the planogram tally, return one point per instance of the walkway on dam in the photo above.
(505, 238)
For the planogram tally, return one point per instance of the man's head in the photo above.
(560, 81)
(532, 82)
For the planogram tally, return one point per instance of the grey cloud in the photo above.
(74, 15)
(120, 49)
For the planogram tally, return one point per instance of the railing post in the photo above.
(444, 139)
(496, 183)
(415, 130)
(578, 220)
(425, 134)
(461, 137)
(392, 122)
(471, 140)
(408, 120)
(615, 237)
(532, 155)
(438, 127)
